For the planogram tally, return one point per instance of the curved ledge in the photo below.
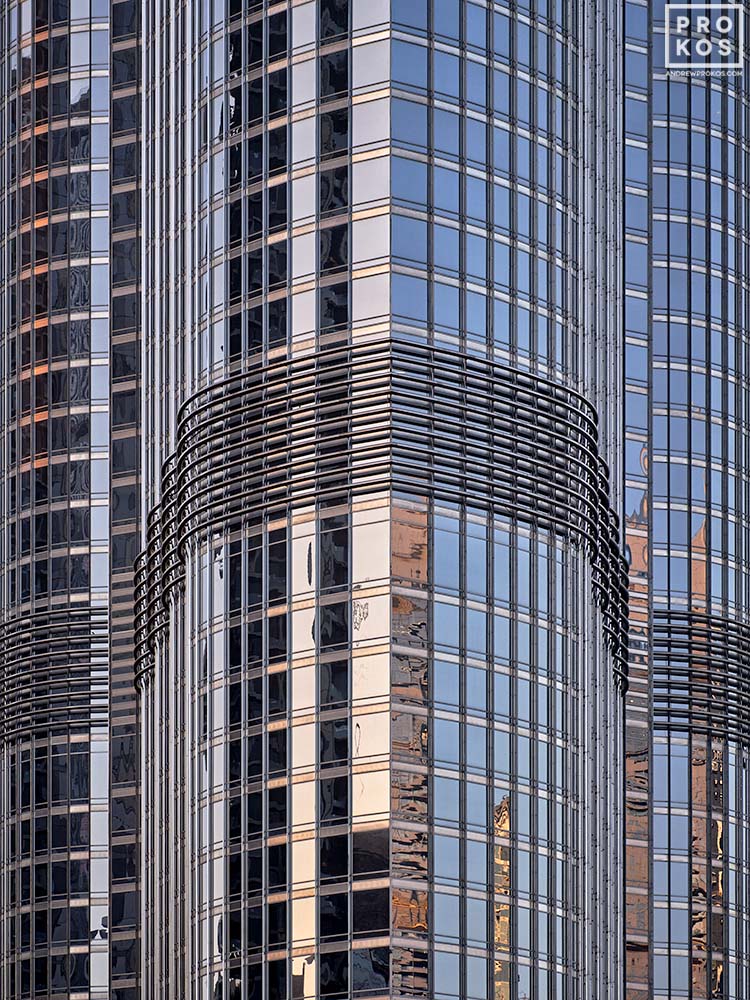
(701, 674)
(386, 415)
(54, 663)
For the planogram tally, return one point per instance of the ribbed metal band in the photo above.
(54, 671)
(380, 416)
(701, 674)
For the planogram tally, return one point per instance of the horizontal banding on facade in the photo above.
(702, 674)
(53, 664)
(380, 416)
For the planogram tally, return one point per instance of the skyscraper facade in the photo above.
(687, 505)
(381, 600)
(69, 321)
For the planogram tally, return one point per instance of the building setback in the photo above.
(381, 598)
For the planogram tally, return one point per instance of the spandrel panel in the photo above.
(303, 804)
(303, 747)
(303, 920)
(370, 297)
(370, 620)
(303, 690)
(370, 795)
(303, 862)
(303, 631)
(370, 547)
(370, 677)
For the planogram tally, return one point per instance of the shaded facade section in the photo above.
(125, 488)
(68, 867)
(687, 525)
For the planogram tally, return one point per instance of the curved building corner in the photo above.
(381, 601)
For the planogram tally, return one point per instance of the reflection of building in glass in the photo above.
(502, 907)
(69, 316)
(686, 525)
(381, 601)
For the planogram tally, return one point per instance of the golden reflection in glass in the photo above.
(698, 567)
(700, 977)
(698, 782)
(717, 886)
(717, 931)
(717, 979)
(409, 618)
(502, 873)
(698, 882)
(717, 838)
(409, 795)
(409, 910)
(717, 777)
(502, 980)
(409, 971)
(409, 552)
(699, 925)
(699, 836)
(409, 854)
(409, 681)
(410, 737)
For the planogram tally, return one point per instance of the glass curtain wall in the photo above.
(381, 597)
(68, 364)
(686, 514)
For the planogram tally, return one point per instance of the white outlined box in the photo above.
(737, 13)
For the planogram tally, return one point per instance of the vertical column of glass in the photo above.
(150, 762)
(125, 488)
(603, 53)
(55, 578)
(687, 365)
(698, 371)
(267, 777)
(168, 240)
(374, 708)
(512, 791)
(485, 121)
(340, 875)
(637, 500)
